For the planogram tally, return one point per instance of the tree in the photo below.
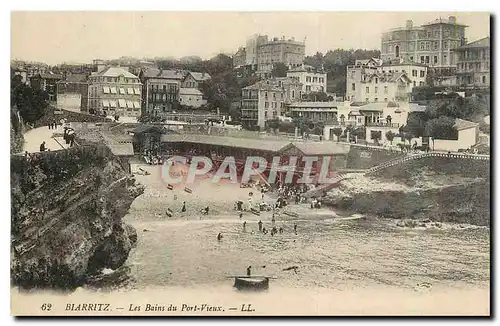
(273, 124)
(235, 113)
(442, 128)
(376, 135)
(316, 97)
(31, 103)
(279, 70)
(359, 132)
(337, 132)
(389, 120)
(390, 136)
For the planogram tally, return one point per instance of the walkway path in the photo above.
(34, 137)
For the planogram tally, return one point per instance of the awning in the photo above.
(122, 103)
(130, 104)
(137, 91)
(137, 105)
(105, 90)
(105, 103)
(122, 91)
(113, 90)
(112, 103)
(131, 91)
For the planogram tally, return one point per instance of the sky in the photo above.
(57, 37)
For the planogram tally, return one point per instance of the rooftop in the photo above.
(200, 76)
(164, 74)
(484, 42)
(49, 75)
(76, 78)
(464, 124)
(116, 72)
(189, 91)
(449, 21)
(315, 104)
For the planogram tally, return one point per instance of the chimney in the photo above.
(452, 19)
(409, 24)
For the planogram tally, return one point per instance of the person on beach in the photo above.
(260, 225)
(281, 230)
(241, 215)
(183, 207)
(273, 219)
(295, 228)
(249, 270)
(42, 147)
(219, 236)
(244, 224)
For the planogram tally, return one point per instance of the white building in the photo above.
(115, 91)
(468, 136)
(311, 79)
(191, 97)
(373, 81)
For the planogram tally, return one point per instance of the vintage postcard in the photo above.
(250, 163)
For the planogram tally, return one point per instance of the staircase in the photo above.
(318, 191)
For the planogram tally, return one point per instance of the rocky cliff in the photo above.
(67, 209)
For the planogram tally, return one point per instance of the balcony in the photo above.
(383, 124)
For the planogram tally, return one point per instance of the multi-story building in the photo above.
(473, 63)
(46, 82)
(367, 81)
(430, 44)
(312, 80)
(72, 93)
(115, 91)
(268, 99)
(417, 72)
(160, 90)
(261, 54)
(194, 79)
(191, 97)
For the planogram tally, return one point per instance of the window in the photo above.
(293, 94)
(274, 96)
(353, 86)
(422, 73)
(422, 45)
(483, 79)
(445, 44)
(414, 83)
(265, 114)
(385, 99)
(266, 104)
(421, 84)
(429, 34)
(122, 91)
(282, 105)
(445, 59)
(165, 88)
(386, 89)
(435, 59)
(308, 79)
(411, 57)
(265, 95)
(315, 79)
(414, 73)
(376, 82)
(308, 88)
(376, 89)
(422, 59)
(368, 90)
(426, 59)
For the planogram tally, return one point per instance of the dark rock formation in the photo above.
(67, 209)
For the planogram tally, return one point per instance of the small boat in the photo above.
(251, 283)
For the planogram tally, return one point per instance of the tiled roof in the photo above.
(315, 105)
(125, 149)
(484, 42)
(189, 91)
(50, 76)
(200, 76)
(116, 72)
(464, 124)
(258, 144)
(164, 74)
(314, 148)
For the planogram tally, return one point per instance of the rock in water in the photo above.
(67, 209)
